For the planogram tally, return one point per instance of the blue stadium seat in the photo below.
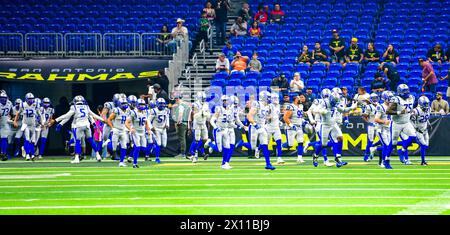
(347, 81)
(237, 76)
(218, 82)
(249, 82)
(264, 82)
(268, 75)
(220, 75)
(252, 75)
(234, 82)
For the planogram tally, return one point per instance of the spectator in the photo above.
(391, 55)
(371, 55)
(310, 96)
(163, 39)
(439, 105)
(391, 73)
(337, 46)
(379, 83)
(319, 55)
(229, 50)
(155, 92)
(428, 76)
(255, 64)
(179, 33)
(361, 97)
(239, 63)
(245, 12)
(277, 15)
(285, 101)
(448, 86)
(435, 54)
(354, 54)
(254, 31)
(261, 16)
(280, 84)
(447, 55)
(222, 8)
(203, 31)
(239, 28)
(160, 79)
(222, 64)
(181, 112)
(305, 56)
(306, 104)
(297, 84)
(346, 95)
(210, 12)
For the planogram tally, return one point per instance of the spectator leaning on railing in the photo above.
(428, 76)
(163, 38)
(448, 86)
(280, 84)
(379, 83)
(239, 28)
(222, 64)
(255, 64)
(391, 73)
(439, 105)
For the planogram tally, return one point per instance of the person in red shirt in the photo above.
(254, 31)
(261, 16)
(277, 15)
(428, 76)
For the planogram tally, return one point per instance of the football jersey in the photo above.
(14, 112)
(5, 111)
(297, 113)
(403, 104)
(47, 113)
(370, 111)
(159, 119)
(275, 113)
(224, 116)
(381, 114)
(200, 107)
(120, 118)
(262, 113)
(138, 119)
(110, 107)
(326, 112)
(338, 116)
(314, 115)
(29, 113)
(420, 118)
(81, 115)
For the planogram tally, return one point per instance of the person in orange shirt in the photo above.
(255, 31)
(239, 63)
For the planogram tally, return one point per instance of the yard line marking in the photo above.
(225, 190)
(190, 206)
(434, 206)
(219, 197)
(8, 177)
(157, 168)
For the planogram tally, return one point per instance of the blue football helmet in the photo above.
(132, 100)
(160, 103)
(141, 105)
(403, 91)
(3, 98)
(46, 102)
(325, 93)
(374, 98)
(18, 102)
(424, 103)
(225, 100)
(29, 98)
(115, 99)
(123, 103)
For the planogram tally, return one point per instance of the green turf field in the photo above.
(179, 187)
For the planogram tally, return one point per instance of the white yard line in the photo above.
(9, 177)
(221, 190)
(110, 173)
(217, 197)
(433, 206)
(190, 206)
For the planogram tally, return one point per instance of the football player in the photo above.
(220, 123)
(293, 117)
(200, 114)
(116, 122)
(5, 122)
(420, 118)
(47, 111)
(137, 125)
(15, 132)
(159, 124)
(368, 113)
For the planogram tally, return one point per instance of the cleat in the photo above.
(280, 161)
(225, 167)
(40, 157)
(387, 164)
(129, 159)
(270, 167)
(228, 164)
(205, 156)
(328, 163)
(114, 157)
(33, 158)
(257, 154)
(23, 151)
(194, 159)
(344, 163)
(27, 157)
(122, 164)
(206, 145)
(135, 166)
(424, 164)
(407, 162)
(76, 160)
(366, 158)
(381, 165)
(98, 157)
(315, 160)
(147, 158)
(339, 164)
(157, 161)
(300, 159)
(66, 146)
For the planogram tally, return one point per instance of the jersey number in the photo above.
(123, 119)
(29, 113)
(5, 112)
(142, 121)
(161, 118)
(83, 113)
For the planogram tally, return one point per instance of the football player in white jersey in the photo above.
(400, 108)
(29, 112)
(234, 122)
(328, 107)
(368, 113)
(257, 117)
(5, 122)
(383, 119)
(200, 114)
(15, 132)
(293, 117)
(159, 124)
(420, 118)
(220, 123)
(116, 122)
(315, 121)
(108, 108)
(82, 117)
(47, 111)
(274, 123)
(137, 125)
